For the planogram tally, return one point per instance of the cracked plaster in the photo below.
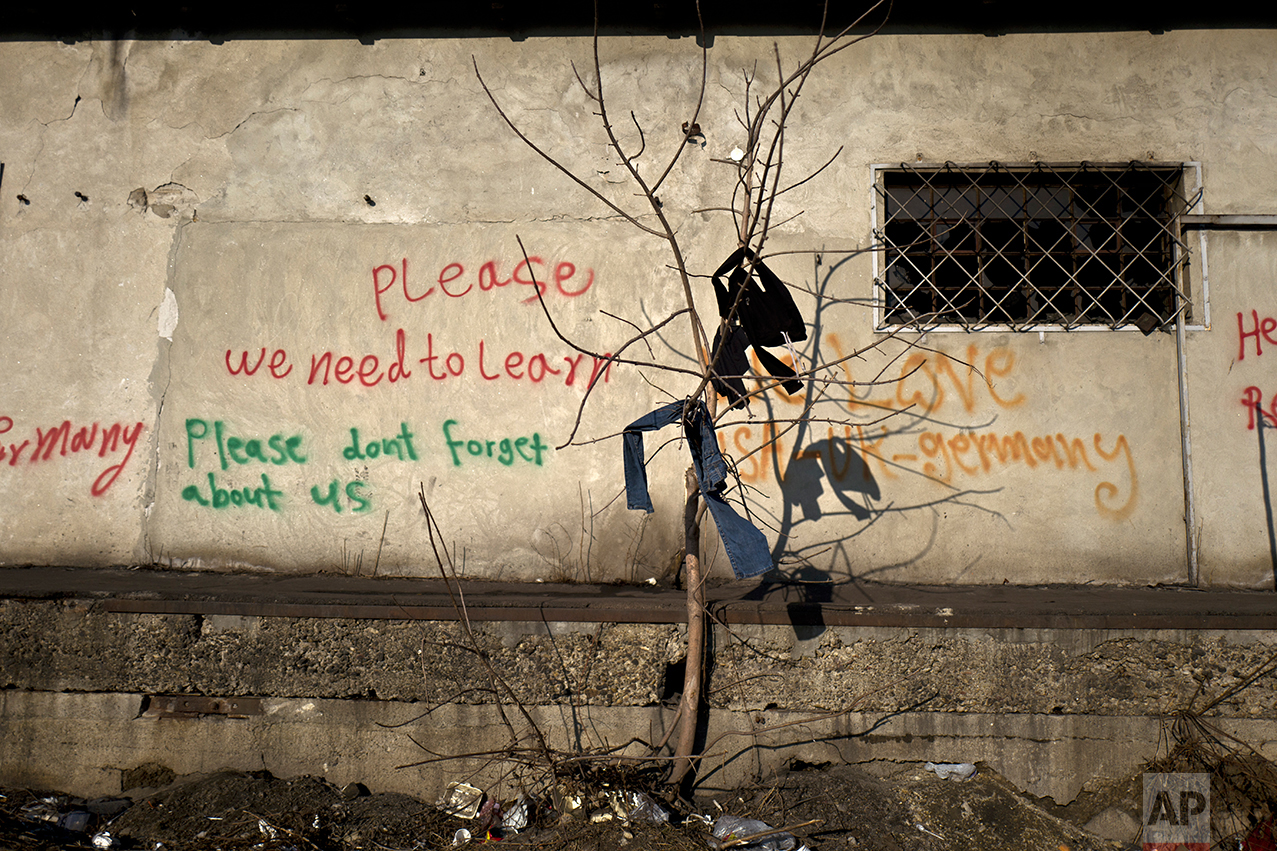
(280, 137)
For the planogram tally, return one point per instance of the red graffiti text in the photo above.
(1253, 400)
(66, 439)
(1260, 329)
(454, 281)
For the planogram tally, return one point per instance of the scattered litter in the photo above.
(751, 835)
(737, 154)
(103, 840)
(952, 770)
(564, 802)
(928, 832)
(44, 809)
(516, 818)
(461, 837)
(1261, 837)
(640, 806)
(267, 830)
(489, 818)
(76, 821)
(461, 800)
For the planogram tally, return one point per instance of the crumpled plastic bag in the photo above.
(730, 828)
(952, 770)
(640, 806)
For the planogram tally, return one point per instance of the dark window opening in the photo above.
(1032, 246)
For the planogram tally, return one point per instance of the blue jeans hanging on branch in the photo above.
(746, 546)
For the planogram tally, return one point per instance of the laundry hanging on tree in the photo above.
(746, 546)
(764, 314)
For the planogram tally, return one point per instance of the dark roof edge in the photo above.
(519, 20)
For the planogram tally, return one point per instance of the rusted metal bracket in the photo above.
(195, 705)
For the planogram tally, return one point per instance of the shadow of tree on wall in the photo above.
(844, 472)
(823, 474)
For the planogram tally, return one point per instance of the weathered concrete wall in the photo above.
(312, 245)
(96, 744)
(73, 647)
(1054, 710)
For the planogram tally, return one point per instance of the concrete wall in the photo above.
(1056, 711)
(312, 245)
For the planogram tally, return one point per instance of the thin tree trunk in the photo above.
(689, 708)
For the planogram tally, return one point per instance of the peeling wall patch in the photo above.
(168, 315)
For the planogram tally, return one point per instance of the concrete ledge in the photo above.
(755, 602)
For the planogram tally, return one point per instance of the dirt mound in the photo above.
(828, 808)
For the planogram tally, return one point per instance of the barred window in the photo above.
(1032, 246)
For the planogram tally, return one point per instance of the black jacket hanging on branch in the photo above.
(765, 316)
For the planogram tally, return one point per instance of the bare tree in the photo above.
(754, 178)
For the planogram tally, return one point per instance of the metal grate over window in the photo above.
(1032, 246)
